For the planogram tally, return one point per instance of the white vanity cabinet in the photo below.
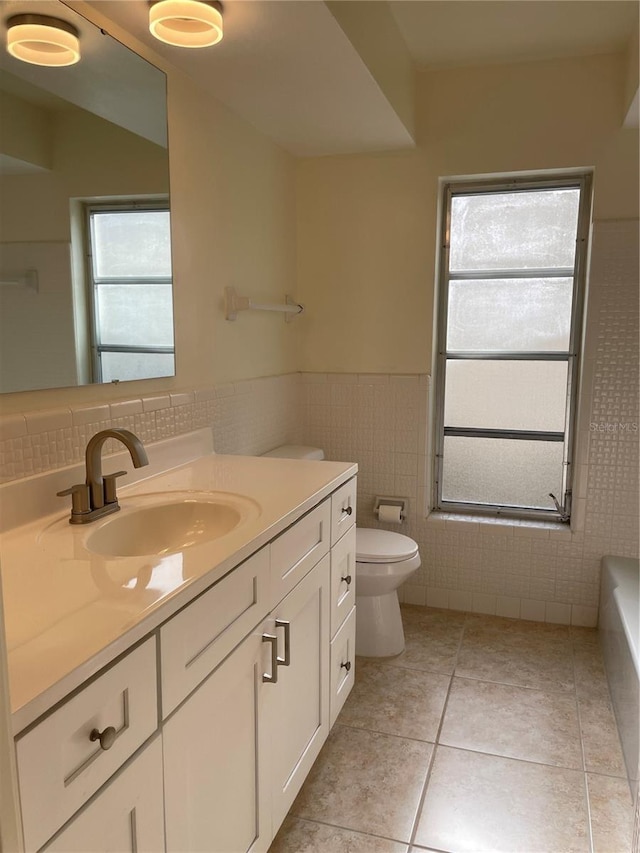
(216, 796)
(67, 756)
(298, 704)
(237, 751)
(125, 817)
(217, 716)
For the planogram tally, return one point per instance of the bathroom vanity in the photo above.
(178, 700)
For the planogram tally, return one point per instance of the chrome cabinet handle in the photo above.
(271, 638)
(107, 737)
(347, 509)
(286, 660)
(346, 665)
(347, 579)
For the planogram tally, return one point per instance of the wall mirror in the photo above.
(85, 255)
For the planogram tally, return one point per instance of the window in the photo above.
(512, 271)
(131, 293)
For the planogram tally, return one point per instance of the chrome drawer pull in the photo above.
(271, 638)
(347, 509)
(286, 660)
(107, 737)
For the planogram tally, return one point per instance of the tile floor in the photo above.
(485, 734)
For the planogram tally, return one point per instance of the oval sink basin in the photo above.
(165, 528)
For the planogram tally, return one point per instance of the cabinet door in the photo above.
(298, 705)
(125, 816)
(216, 796)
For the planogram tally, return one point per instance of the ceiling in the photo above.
(470, 32)
(288, 68)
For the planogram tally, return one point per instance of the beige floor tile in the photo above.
(367, 782)
(484, 804)
(403, 702)
(516, 722)
(600, 739)
(584, 636)
(432, 638)
(529, 654)
(303, 836)
(590, 675)
(611, 814)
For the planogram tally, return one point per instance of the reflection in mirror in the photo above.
(85, 254)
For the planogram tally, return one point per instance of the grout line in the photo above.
(423, 795)
(582, 750)
(346, 828)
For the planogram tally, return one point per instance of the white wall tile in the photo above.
(585, 617)
(508, 607)
(414, 594)
(483, 603)
(437, 597)
(560, 614)
(534, 611)
(125, 408)
(12, 426)
(48, 420)
(460, 600)
(90, 415)
(153, 404)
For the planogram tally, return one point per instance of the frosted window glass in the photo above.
(136, 365)
(135, 314)
(514, 230)
(506, 394)
(502, 471)
(509, 314)
(131, 244)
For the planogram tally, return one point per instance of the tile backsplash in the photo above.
(247, 418)
(516, 569)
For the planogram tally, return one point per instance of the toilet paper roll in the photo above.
(390, 514)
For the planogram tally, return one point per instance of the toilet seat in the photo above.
(383, 546)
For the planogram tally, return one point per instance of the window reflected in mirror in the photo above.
(85, 249)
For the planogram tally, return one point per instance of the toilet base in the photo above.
(379, 631)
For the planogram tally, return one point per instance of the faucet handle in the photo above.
(110, 496)
(79, 499)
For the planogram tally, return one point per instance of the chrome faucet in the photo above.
(97, 496)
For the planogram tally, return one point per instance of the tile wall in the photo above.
(247, 417)
(540, 572)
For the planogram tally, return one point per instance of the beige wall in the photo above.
(367, 224)
(233, 221)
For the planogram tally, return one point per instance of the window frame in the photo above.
(450, 188)
(97, 347)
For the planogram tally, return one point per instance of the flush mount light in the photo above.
(42, 40)
(186, 23)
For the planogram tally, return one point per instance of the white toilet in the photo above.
(384, 561)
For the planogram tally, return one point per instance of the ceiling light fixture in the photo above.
(186, 23)
(42, 40)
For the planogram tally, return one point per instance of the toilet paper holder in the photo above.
(403, 503)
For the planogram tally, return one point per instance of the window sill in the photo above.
(470, 523)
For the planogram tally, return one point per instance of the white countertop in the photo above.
(69, 612)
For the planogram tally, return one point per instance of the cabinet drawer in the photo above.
(60, 767)
(126, 816)
(298, 549)
(195, 641)
(343, 661)
(343, 578)
(343, 510)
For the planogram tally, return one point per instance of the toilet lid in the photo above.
(383, 546)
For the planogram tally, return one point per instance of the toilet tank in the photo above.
(295, 451)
